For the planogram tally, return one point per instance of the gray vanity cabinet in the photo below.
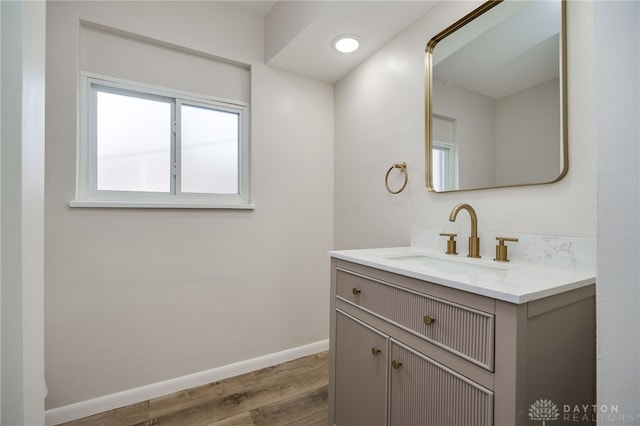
(406, 352)
(361, 373)
(371, 368)
(424, 392)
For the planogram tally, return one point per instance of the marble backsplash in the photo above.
(550, 250)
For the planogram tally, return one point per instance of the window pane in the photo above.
(209, 150)
(134, 144)
(440, 162)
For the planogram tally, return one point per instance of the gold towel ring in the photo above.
(403, 167)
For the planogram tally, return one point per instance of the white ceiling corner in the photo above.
(259, 7)
(298, 34)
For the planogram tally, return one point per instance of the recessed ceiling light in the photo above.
(346, 43)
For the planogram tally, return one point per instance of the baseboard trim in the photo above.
(90, 407)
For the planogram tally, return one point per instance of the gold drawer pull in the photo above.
(356, 291)
(428, 319)
(375, 351)
(396, 364)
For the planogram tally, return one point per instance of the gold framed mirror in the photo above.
(495, 98)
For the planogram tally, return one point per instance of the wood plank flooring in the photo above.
(293, 393)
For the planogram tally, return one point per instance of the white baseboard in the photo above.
(133, 396)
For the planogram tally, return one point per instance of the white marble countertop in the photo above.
(516, 281)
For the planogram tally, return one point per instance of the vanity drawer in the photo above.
(462, 330)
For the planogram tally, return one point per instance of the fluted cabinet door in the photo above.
(361, 362)
(426, 393)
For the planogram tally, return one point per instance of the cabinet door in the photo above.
(360, 373)
(426, 393)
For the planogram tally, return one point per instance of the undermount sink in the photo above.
(452, 264)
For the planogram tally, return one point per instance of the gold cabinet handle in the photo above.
(375, 351)
(428, 319)
(356, 291)
(396, 364)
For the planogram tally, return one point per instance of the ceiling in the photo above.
(261, 8)
(298, 37)
(298, 34)
(477, 57)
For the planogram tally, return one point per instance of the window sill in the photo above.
(186, 204)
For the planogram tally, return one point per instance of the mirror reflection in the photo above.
(495, 107)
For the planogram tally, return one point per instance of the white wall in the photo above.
(379, 120)
(474, 116)
(22, 214)
(121, 55)
(617, 48)
(504, 141)
(527, 134)
(134, 296)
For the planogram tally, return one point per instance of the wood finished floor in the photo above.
(293, 393)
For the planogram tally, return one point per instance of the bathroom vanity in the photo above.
(421, 338)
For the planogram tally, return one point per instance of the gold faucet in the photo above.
(474, 241)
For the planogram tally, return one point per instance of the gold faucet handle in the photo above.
(501, 248)
(451, 244)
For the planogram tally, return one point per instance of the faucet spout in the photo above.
(472, 214)
(474, 241)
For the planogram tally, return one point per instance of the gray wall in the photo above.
(22, 121)
(474, 132)
(102, 315)
(135, 296)
(526, 148)
(379, 120)
(617, 47)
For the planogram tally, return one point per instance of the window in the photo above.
(443, 166)
(444, 155)
(142, 146)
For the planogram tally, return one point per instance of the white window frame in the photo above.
(450, 182)
(87, 194)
